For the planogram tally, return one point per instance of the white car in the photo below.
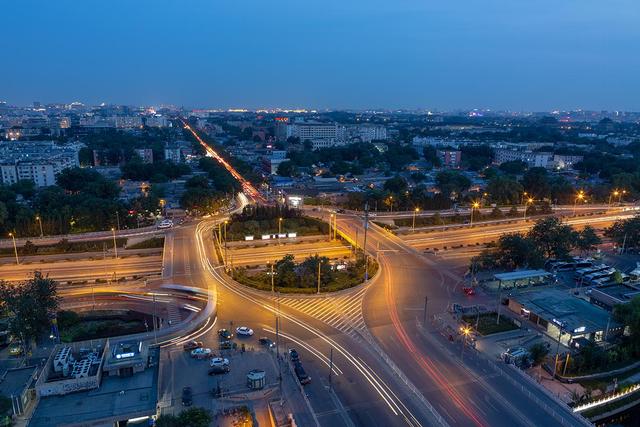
(201, 353)
(219, 361)
(167, 223)
(244, 331)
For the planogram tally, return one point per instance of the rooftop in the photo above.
(117, 398)
(521, 274)
(14, 381)
(561, 308)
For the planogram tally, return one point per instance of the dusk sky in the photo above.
(500, 54)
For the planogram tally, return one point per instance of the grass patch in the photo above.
(487, 323)
(95, 325)
(154, 242)
(340, 280)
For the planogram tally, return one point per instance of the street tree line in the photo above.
(548, 238)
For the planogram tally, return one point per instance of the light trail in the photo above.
(425, 363)
(311, 349)
(384, 391)
(246, 185)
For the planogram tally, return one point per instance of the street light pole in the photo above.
(580, 196)
(115, 246)
(319, 262)
(524, 217)
(15, 248)
(40, 222)
(364, 244)
(414, 218)
(474, 206)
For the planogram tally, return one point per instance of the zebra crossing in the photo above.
(173, 314)
(343, 312)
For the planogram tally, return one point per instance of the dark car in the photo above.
(225, 334)
(266, 342)
(187, 396)
(227, 345)
(219, 370)
(301, 374)
(192, 345)
(293, 355)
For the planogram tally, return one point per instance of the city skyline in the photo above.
(410, 55)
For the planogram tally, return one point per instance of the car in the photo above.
(468, 290)
(192, 345)
(201, 353)
(225, 334)
(187, 396)
(167, 223)
(244, 331)
(293, 355)
(340, 211)
(15, 349)
(219, 370)
(219, 361)
(301, 374)
(266, 342)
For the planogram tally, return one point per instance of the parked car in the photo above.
(219, 361)
(266, 342)
(244, 331)
(187, 396)
(201, 353)
(225, 334)
(192, 345)
(219, 370)
(293, 355)
(301, 374)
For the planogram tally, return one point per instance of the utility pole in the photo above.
(272, 281)
(364, 245)
(115, 246)
(155, 317)
(424, 315)
(118, 219)
(319, 262)
(330, 366)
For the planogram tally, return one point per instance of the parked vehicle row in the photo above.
(301, 374)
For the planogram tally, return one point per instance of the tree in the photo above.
(511, 251)
(536, 182)
(452, 182)
(625, 232)
(30, 305)
(629, 315)
(431, 155)
(554, 238)
(286, 168)
(476, 157)
(537, 353)
(515, 167)
(396, 185)
(195, 417)
(587, 239)
(504, 190)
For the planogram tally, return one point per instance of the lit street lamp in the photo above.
(579, 196)
(466, 331)
(529, 200)
(40, 222)
(474, 206)
(15, 248)
(416, 210)
(280, 226)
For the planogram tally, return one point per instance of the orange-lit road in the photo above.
(246, 185)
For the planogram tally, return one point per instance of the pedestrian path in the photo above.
(343, 312)
(173, 313)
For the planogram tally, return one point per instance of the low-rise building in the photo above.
(565, 317)
(39, 162)
(146, 154)
(450, 158)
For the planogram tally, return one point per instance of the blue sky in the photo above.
(500, 54)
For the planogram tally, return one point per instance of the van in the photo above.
(584, 271)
